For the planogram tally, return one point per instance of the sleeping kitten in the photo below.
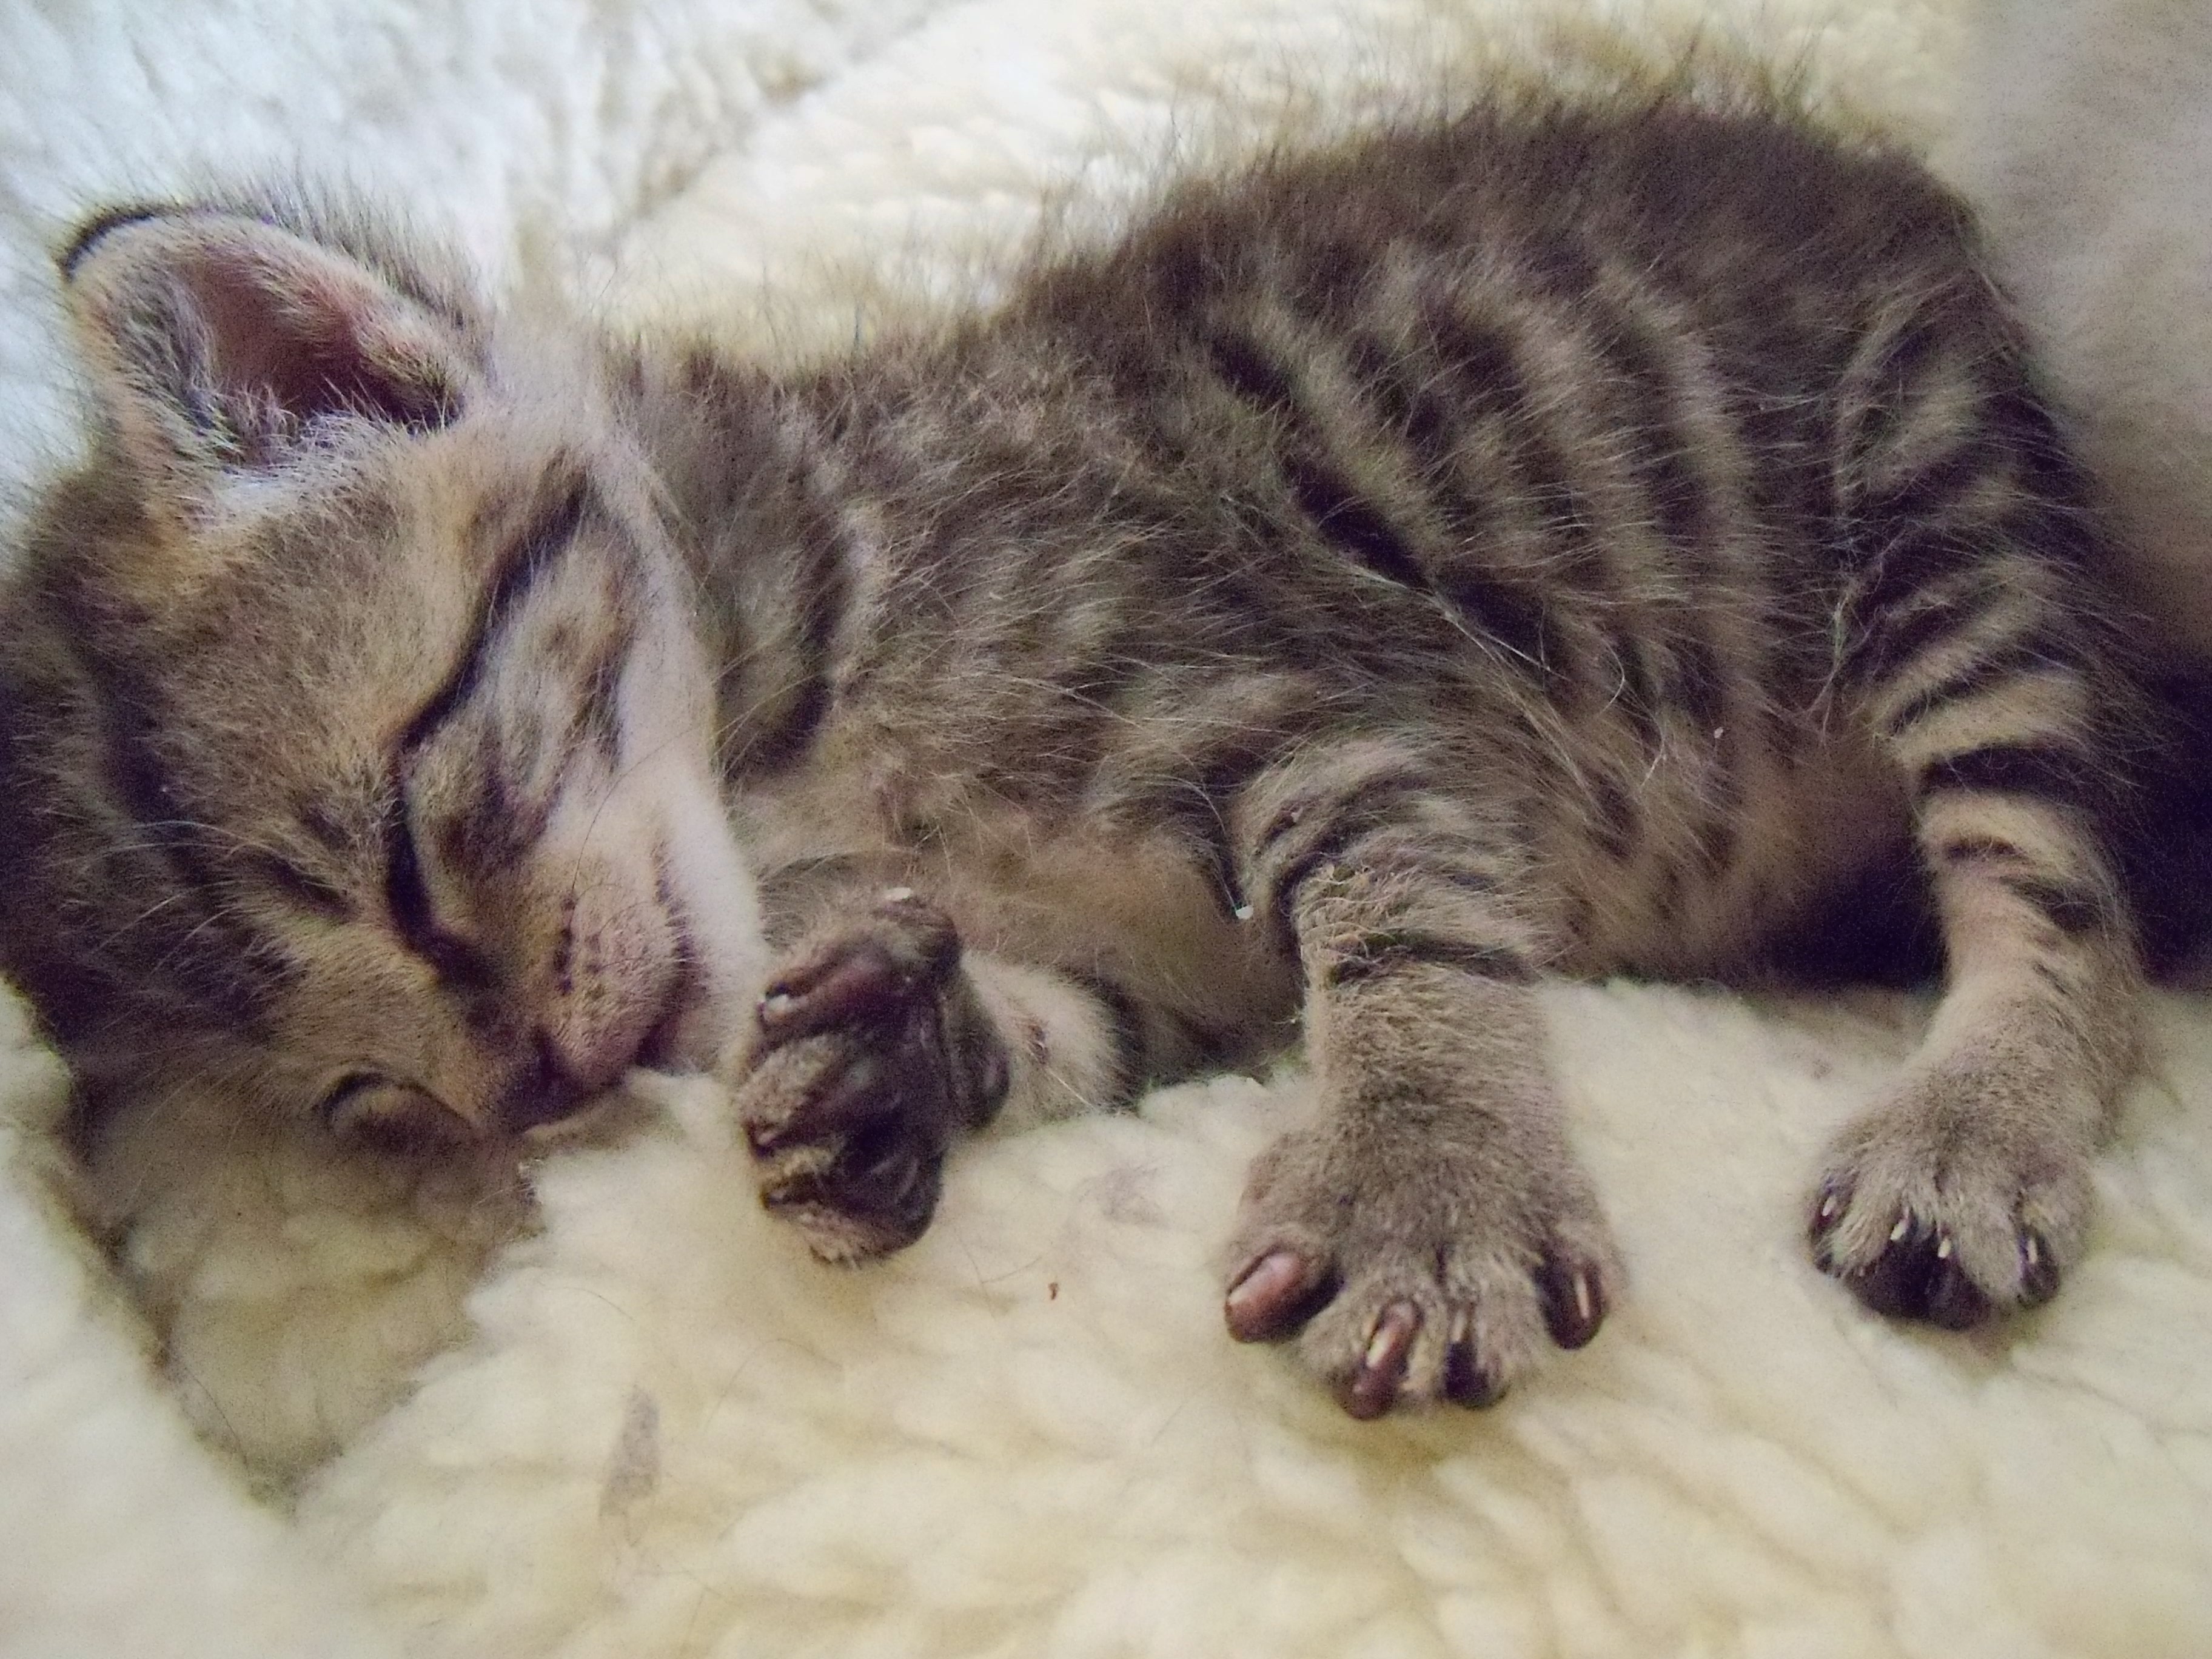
(1560, 540)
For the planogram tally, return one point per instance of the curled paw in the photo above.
(1952, 1218)
(870, 1052)
(1442, 1281)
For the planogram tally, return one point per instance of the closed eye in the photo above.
(532, 554)
(531, 557)
(345, 1090)
(456, 961)
(369, 1109)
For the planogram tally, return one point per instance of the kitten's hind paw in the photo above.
(1427, 1283)
(872, 1051)
(1929, 1212)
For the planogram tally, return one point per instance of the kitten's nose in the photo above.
(578, 1057)
(545, 1092)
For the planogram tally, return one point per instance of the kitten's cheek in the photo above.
(617, 988)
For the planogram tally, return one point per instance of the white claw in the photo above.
(1242, 913)
(779, 1004)
(1462, 1323)
(1899, 1231)
(1829, 1207)
(1943, 1248)
(897, 895)
(2028, 1248)
(1581, 1298)
(1378, 1346)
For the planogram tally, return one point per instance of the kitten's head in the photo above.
(355, 741)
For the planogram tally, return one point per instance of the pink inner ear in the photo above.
(311, 341)
(217, 338)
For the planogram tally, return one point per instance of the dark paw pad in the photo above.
(1914, 1270)
(867, 976)
(2039, 1269)
(878, 1189)
(1467, 1379)
(1573, 1294)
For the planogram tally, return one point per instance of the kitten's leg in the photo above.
(1984, 667)
(879, 1040)
(1967, 1190)
(1433, 1228)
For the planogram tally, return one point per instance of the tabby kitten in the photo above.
(1557, 540)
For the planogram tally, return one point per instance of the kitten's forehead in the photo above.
(354, 600)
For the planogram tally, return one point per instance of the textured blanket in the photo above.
(655, 1428)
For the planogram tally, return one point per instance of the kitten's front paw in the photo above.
(872, 1051)
(1423, 1274)
(1954, 1201)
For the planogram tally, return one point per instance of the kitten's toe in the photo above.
(1276, 1292)
(2039, 1269)
(1937, 1215)
(1405, 1330)
(1914, 1274)
(862, 1194)
(828, 1092)
(865, 975)
(1372, 1387)
(1572, 1287)
(1467, 1380)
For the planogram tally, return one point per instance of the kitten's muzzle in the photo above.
(544, 1093)
(574, 1062)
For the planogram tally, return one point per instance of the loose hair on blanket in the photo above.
(1568, 537)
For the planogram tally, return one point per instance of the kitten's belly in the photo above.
(1804, 830)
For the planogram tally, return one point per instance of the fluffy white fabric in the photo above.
(668, 1433)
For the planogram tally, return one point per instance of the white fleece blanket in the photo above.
(666, 1432)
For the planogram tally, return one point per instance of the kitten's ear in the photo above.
(217, 339)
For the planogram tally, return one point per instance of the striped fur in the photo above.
(1556, 541)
